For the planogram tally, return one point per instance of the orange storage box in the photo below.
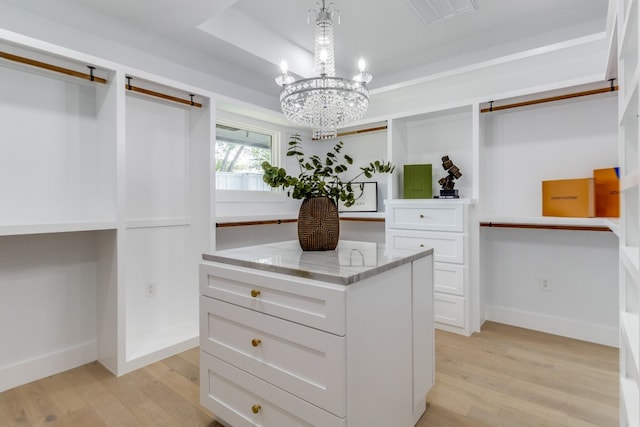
(607, 188)
(569, 197)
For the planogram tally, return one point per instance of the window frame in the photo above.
(276, 160)
(275, 145)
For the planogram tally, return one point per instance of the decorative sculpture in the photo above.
(447, 182)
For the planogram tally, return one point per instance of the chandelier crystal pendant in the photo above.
(324, 102)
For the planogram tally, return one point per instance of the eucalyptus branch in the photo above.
(320, 177)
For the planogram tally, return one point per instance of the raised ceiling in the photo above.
(244, 40)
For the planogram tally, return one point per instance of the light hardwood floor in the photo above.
(504, 376)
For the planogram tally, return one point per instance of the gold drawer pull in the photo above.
(255, 293)
(256, 342)
(256, 408)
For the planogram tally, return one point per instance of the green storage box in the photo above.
(417, 182)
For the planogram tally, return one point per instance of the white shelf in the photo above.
(629, 109)
(157, 222)
(624, 34)
(611, 223)
(630, 328)
(422, 201)
(630, 395)
(627, 10)
(56, 227)
(630, 256)
(629, 181)
(629, 70)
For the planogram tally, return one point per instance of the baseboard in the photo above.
(34, 369)
(156, 356)
(453, 329)
(584, 331)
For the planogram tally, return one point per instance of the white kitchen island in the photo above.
(331, 338)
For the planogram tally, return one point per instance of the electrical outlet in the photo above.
(544, 284)
(150, 289)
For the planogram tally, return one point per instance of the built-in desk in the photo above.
(331, 338)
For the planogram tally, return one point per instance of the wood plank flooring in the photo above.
(504, 376)
(508, 376)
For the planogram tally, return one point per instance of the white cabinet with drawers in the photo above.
(292, 338)
(444, 226)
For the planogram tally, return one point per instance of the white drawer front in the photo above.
(436, 217)
(311, 303)
(233, 395)
(447, 247)
(448, 278)
(448, 309)
(306, 362)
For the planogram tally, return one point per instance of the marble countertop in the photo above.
(350, 262)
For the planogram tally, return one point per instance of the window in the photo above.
(240, 151)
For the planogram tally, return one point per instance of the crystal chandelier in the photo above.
(324, 102)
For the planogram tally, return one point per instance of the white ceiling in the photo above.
(245, 40)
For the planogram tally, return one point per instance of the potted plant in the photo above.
(320, 185)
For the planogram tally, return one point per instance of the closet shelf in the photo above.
(630, 330)
(552, 223)
(56, 227)
(630, 397)
(629, 181)
(630, 255)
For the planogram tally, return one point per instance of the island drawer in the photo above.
(308, 302)
(443, 217)
(447, 247)
(244, 400)
(304, 361)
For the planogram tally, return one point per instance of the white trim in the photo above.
(576, 329)
(157, 222)
(156, 356)
(492, 62)
(33, 369)
(276, 135)
(56, 227)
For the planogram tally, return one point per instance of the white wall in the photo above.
(48, 303)
(559, 140)
(234, 237)
(582, 267)
(564, 64)
(159, 239)
(429, 140)
(364, 148)
(49, 157)
(522, 147)
(19, 21)
(275, 204)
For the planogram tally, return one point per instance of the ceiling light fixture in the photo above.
(324, 102)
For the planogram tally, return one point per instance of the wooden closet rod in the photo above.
(545, 227)
(284, 221)
(551, 99)
(50, 67)
(263, 222)
(355, 132)
(361, 219)
(190, 102)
